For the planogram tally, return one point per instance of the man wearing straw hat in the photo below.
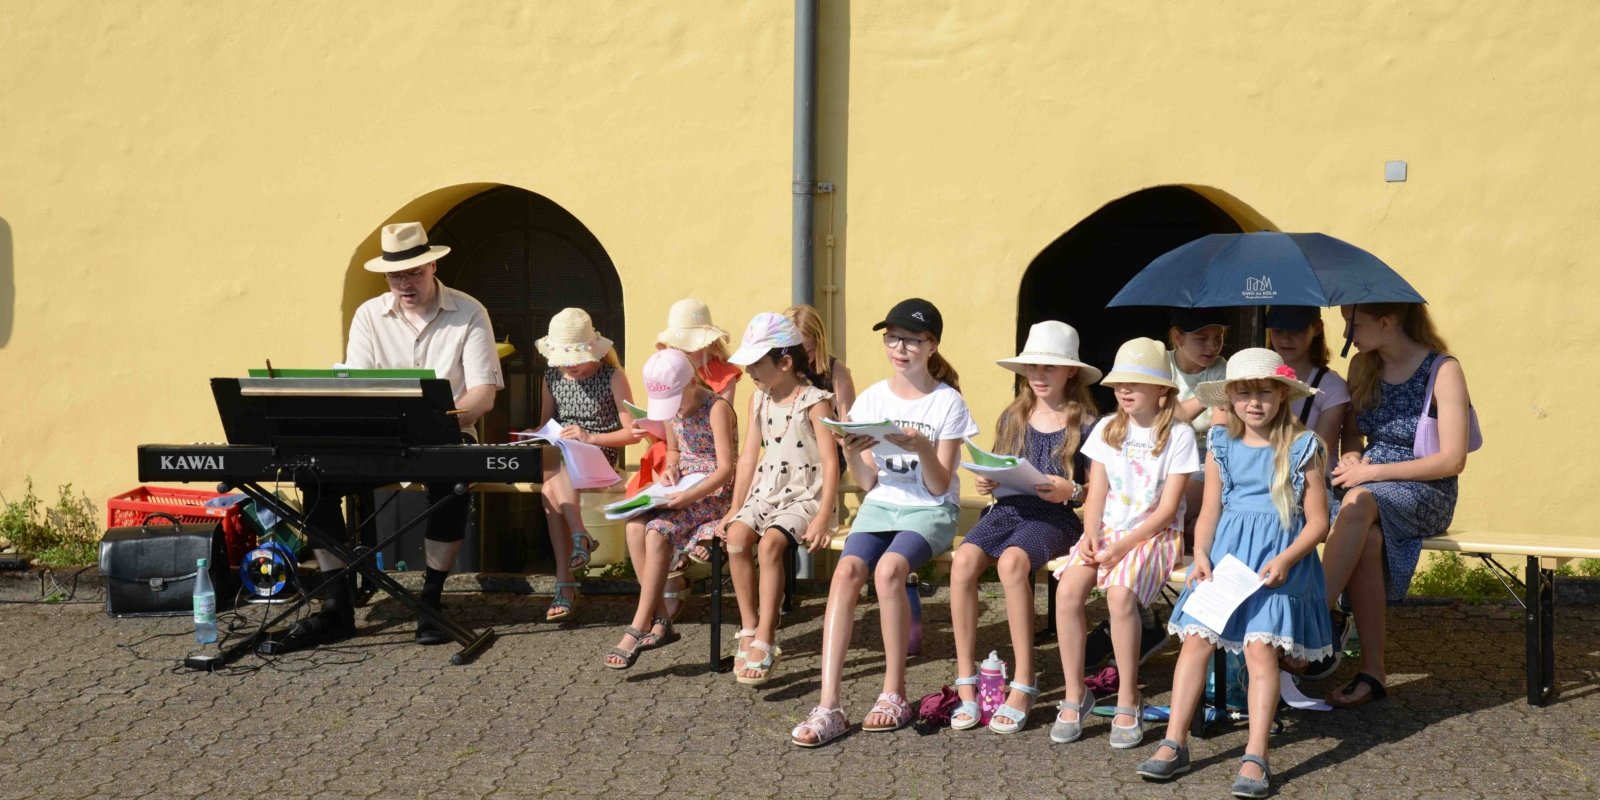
(418, 324)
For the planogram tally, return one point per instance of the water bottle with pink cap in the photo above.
(991, 686)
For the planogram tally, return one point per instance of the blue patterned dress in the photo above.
(1408, 511)
(1294, 616)
(1043, 530)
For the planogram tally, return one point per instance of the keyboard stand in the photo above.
(359, 562)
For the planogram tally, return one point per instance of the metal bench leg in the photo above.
(1049, 631)
(715, 664)
(792, 566)
(1539, 584)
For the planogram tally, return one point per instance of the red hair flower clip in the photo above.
(1285, 371)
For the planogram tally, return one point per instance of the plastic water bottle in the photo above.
(205, 604)
(991, 686)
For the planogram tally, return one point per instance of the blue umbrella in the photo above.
(1265, 268)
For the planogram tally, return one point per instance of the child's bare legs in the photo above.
(837, 622)
(1125, 630)
(968, 565)
(1188, 681)
(554, 493)
(1072, 628)
(1261, 659)
(774, 543)
(652, 576)
(894, 612)
(1015, 569)
(1353, 563)
(742, 569)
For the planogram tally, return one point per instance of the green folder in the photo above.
(424, 374)
(984, 458)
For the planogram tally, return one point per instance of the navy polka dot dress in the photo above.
(1043, 530)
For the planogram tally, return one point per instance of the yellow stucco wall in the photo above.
(184, 185)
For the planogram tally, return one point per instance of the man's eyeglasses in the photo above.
(893, 341)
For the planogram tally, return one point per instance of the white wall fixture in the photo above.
(1394, 171)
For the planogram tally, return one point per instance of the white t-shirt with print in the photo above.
(941, 415)
(1136, 477)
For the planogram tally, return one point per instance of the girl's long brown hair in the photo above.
(810, 324)
(1116, 431)
(1366, 390)
(942, 372)
(1012, 429)
(1285, 429)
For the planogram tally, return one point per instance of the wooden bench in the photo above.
(1544, 553)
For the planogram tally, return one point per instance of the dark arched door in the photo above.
(526, 258)
(1076, 275)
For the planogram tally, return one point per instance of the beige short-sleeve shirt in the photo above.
(457, 342)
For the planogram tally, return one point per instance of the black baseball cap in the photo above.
(1190, 320)
(1292, 318)
(916, 315)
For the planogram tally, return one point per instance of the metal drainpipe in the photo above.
(802, 264)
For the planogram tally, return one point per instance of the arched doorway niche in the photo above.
(1074, 277)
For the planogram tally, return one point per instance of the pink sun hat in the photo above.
(667, 374)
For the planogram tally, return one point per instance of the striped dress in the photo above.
(1136, 476)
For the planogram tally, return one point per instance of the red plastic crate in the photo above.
(131, 509)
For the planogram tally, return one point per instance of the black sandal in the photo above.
(1375, 691)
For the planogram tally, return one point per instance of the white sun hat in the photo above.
(1051, 343)
(689, 327)
(1141, 361)
(572, 340)
(405, 245)
(1253, 364)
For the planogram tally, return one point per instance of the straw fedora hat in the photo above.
(689, 327)
(572, 340)
(405, 245)
(1141, 361)
(1253, 364)
(1051, 343)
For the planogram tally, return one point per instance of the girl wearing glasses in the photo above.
(908, 516)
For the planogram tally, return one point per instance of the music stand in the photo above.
(351, 416)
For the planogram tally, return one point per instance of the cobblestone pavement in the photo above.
(83, 715)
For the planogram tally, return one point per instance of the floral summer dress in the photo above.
(697, 455)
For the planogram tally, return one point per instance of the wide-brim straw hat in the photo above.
(1051, 343)
(1253, 364)
(572, 340)
(405, 245)
(1141, 361)
(689, 327)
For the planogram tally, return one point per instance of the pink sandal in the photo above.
(894, 707)
(826, 724)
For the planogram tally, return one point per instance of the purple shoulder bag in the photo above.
(1427, 442)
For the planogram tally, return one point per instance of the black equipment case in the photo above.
(150, 570)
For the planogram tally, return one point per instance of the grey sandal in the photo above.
(627, 656)
(1124, 738)
(1251, 788)
(1165, 770)
(1063, 732)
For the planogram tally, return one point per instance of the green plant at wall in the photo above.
(1450, 575)
(63, 535)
